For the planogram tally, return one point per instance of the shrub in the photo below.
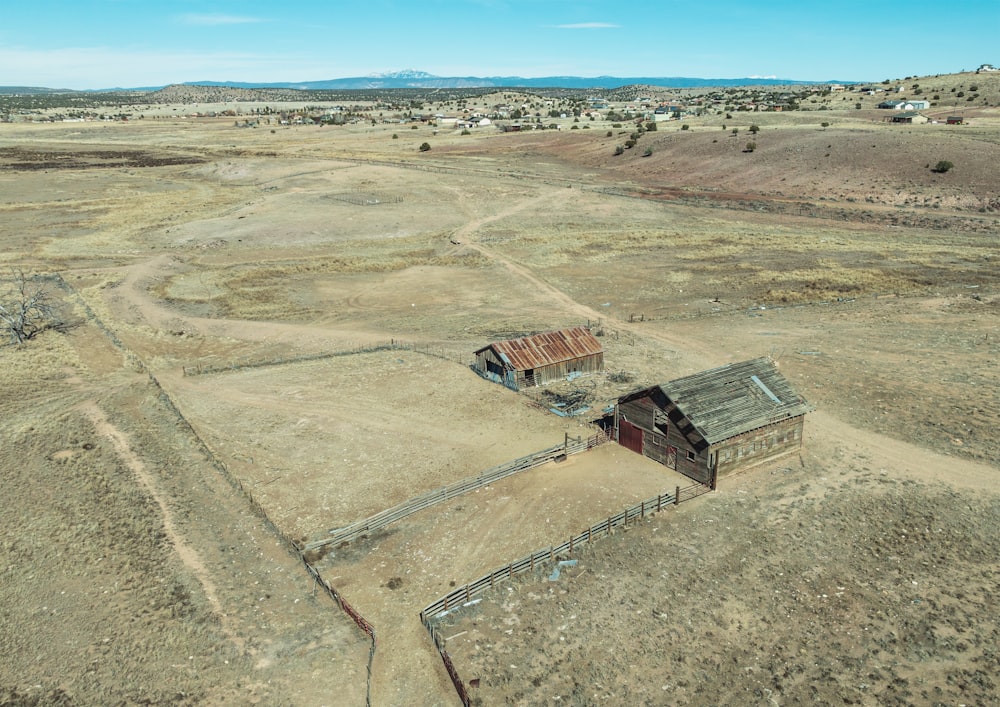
(609, 134)
(395, 136)
(754, 129)
(648, 152)
(465, 131)
(825, 125)
(751, 146)
(619, 149)
(685, 126)
(425, 146)
(943, 166)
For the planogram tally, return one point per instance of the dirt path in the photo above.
(684, 346)
(826, 433)
(188, 554)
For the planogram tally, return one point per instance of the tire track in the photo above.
(187, 553)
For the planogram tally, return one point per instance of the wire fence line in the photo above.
(462, 596)
(200, 369)
(290, 545)
(381, 519)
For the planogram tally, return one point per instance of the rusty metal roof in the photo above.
(547, 348)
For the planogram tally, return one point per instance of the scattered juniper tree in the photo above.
(26, 308)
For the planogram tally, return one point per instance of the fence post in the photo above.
(677, 495)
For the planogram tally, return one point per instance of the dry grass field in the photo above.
(136, 570)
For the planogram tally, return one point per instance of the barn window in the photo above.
(690, 456)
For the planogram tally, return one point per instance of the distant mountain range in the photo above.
(423, 80)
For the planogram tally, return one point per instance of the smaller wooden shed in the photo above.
(714, 422)
(540, 358)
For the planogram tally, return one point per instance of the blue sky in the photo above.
(108, 43)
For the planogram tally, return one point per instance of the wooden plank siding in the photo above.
(541, 358)
(760, 445)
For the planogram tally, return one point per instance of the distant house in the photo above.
(715, 422)
(955, 120)
(986, 68)
(910, 118)
(541, 358)
(905, 105)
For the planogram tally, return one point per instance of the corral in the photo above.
(302, 411)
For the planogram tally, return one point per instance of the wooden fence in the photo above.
(381, 519)
(461, 596)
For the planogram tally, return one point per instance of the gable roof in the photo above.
(547, 348)
(736, 398)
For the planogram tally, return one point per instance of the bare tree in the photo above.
(26, 308)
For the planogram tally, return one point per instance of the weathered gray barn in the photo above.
(541, 358)
(715, 422)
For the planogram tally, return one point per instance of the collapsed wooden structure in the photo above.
(715, 422)
(540, 358)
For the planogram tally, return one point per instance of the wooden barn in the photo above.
(715, 422)
(541, 358)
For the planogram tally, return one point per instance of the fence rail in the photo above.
(461, 596)
(465, 593)
(381, 519)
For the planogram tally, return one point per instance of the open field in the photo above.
(136, 567)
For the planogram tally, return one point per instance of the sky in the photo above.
(93, 44)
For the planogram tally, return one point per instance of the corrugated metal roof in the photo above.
(727, 401)
(547, 348)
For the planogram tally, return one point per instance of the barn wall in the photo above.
(760, 445)
(639, 412)
(487, 359)
(559, 371)
(660, 434)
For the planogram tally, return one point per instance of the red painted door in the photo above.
(672, 457)
(630, 436)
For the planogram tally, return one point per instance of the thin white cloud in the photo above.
(589, 25)
(214, 20)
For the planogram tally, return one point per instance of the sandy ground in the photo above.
(249, 245)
